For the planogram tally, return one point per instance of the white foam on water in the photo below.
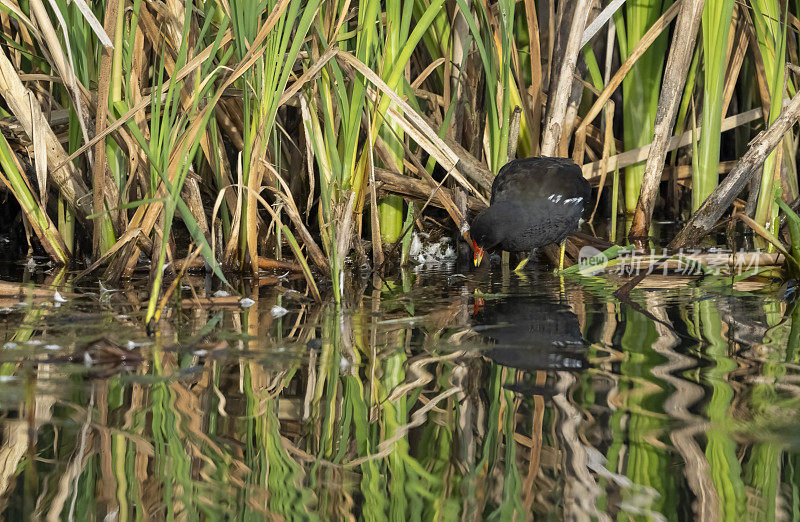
(431, 255)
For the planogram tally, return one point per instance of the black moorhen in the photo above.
(535, 202)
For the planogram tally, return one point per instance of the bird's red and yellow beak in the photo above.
(477, 253)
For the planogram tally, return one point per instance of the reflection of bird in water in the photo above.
(531, 333)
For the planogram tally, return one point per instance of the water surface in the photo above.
(416, 399)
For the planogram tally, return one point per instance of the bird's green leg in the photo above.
(522, 264)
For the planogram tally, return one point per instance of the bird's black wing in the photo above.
(529, 179)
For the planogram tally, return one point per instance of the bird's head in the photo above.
(485, 234)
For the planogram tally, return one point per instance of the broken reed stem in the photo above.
(557, 104)
(711, 210)
(513, 133)
(593, 171)
(677, 67)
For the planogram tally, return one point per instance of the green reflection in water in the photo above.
(386, 407)
(720, 448)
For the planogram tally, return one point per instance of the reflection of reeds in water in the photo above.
(391, 412)
(686, 394)
(720, 450)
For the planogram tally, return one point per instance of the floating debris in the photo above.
(221, 293)
(279, 311)
(105, 293)
(133, 344)
(231, 301)
(104, 356)
(431, 255)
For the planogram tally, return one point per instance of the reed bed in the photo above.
(243, 133)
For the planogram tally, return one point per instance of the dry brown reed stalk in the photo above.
(607, 141)
(130, 235)
(394, 183)
(26, 109)
(62, 61)
(294, 215)
(533, 108)
(680, 56)
(375, 223)
(557, 102)
(102, 196)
